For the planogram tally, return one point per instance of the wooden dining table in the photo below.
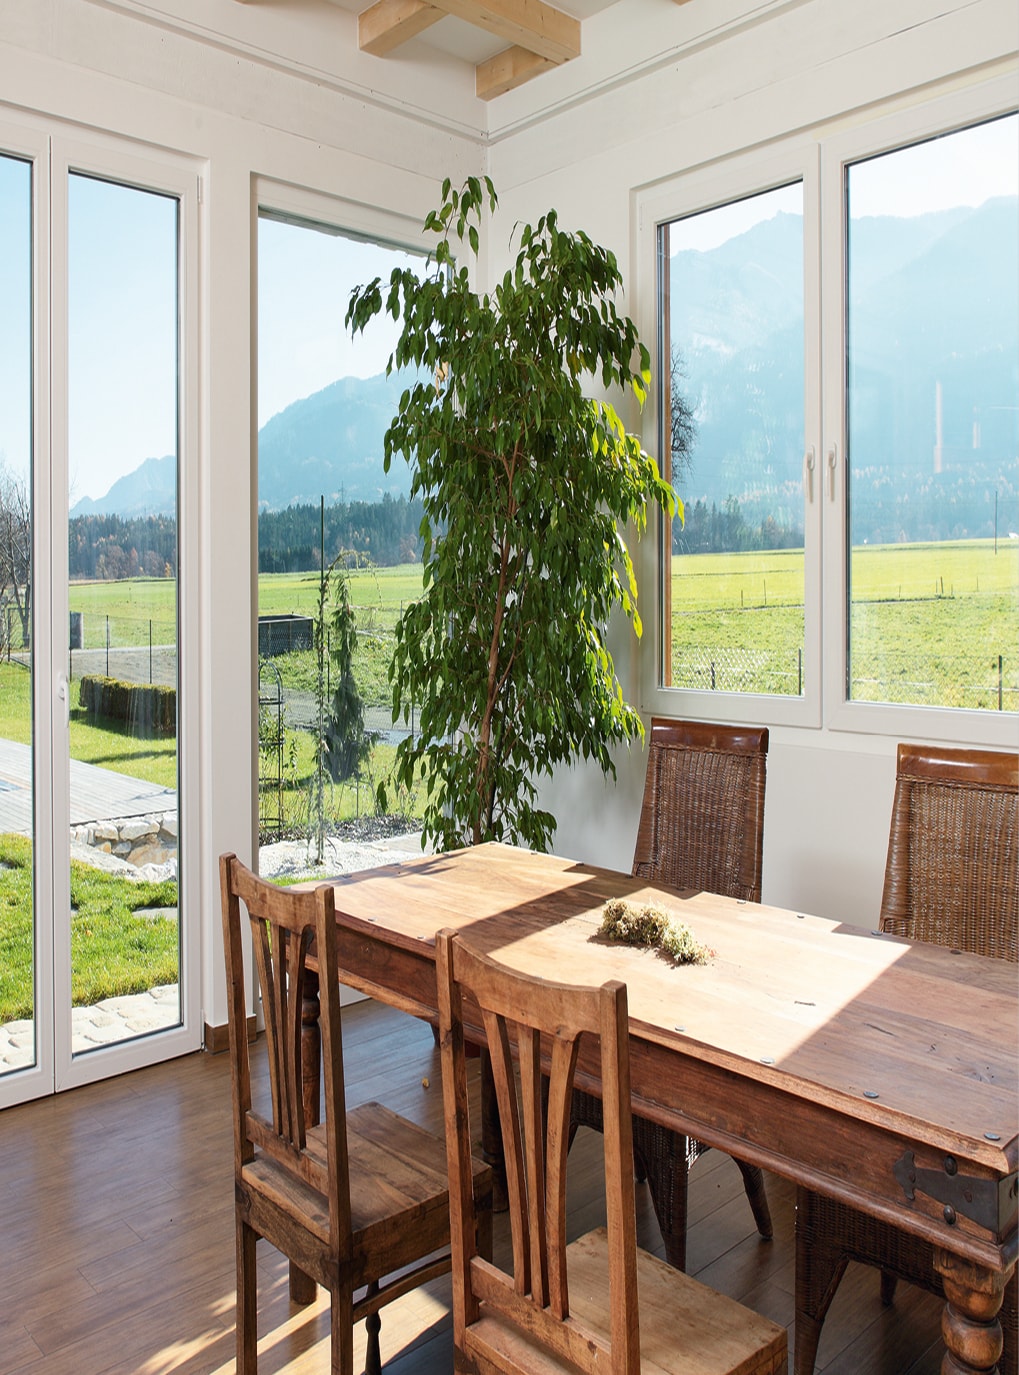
(878, 1071)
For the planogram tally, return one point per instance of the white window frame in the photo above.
(31, 143)
(116, 160)
(735, 178)
(899, 129)
(818, 159)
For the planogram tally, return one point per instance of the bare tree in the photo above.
(682, 425)
(16, 550)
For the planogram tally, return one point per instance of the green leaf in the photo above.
(528, 487)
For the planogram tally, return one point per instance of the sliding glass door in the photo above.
(96, 976)
(19, 945)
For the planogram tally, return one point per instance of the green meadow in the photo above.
(928, 624)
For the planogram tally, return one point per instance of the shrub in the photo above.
(145, 708)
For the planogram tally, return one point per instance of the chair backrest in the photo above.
(702, 818)
(283, 925)
(952, 873)
(529, 1013)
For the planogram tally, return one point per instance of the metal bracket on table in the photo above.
(990, 1203)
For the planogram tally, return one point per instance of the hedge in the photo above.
(147, 709)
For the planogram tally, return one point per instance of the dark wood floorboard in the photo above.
(117, 1254)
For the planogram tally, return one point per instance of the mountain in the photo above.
(331, 444)
(150, 490)
(932, 368)
(328, 444)
(933, 354)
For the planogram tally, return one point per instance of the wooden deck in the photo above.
(117, 1251)
(96, 794)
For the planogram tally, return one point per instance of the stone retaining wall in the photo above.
(137, 839)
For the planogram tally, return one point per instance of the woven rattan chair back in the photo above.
(952, 873)
(702, 818)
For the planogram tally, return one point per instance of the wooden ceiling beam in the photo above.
(507, 70)
(388, 23)
(529, 23)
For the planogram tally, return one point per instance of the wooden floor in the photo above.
(117, 1249)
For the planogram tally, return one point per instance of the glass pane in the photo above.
(733, 410)
(122, 648)
(18, 973)
(325, 502)
(933, 422)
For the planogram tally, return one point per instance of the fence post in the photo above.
(107, 646)
(999, 682)
(799, 656)
(150, 651)
(712, 675)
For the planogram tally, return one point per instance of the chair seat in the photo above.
(685, 1327)
(399, 1204)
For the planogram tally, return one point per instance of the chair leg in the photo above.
(661, 1156)
(819, 1270)
(753, 1182)
(888, 1283)
(373, 1325)
(341, 1332)
(247, 1300)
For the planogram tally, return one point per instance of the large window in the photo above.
(732, 408)
(98, 320)
(339, 552)
(932, 421)
(839, 411)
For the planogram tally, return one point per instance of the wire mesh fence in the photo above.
(978, 682)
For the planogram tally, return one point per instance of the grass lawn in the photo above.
(342, 802)
(114, 950)
(378, 594)
(927, 623)
(110, 746)
(128, 608)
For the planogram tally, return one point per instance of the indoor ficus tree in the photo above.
(527, 484)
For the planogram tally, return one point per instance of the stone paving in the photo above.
(112, 1020)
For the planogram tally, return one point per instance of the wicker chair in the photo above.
(702, 827)
(952, 878)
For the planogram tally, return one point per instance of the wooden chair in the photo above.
(354, 1200)
(566, 1307)
(952, 878)
(702, 827)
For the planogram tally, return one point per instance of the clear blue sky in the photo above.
(964, 168)
(305, 278)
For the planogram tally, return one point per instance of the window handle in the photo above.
(833, 463)
(809, 464)
(64, 695)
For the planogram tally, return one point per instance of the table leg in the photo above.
(302, 1287)
(970, 1325)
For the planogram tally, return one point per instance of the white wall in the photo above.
(814, 66)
